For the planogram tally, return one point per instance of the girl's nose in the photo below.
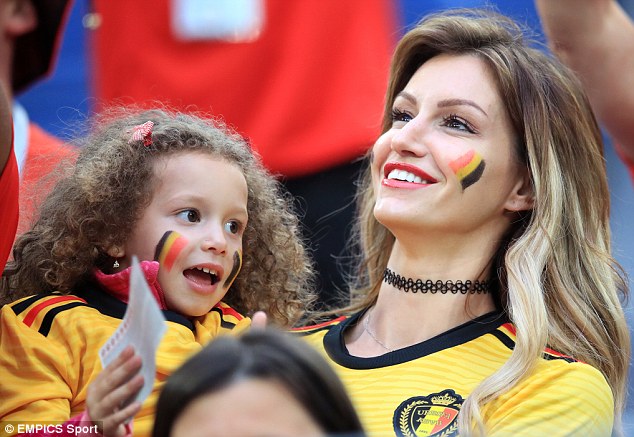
(215, 241)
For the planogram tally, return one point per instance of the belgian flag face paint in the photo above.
(468, 168)
(237, 265)
(168, 249)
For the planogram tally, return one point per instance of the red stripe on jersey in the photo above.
(227, 310)
(550, 351)
(30, 317)
(319, 325)
(509, 327)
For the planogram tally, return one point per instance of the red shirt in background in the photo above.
(308, 91)
(44, 156)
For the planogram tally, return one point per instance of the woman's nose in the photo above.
(409, 140)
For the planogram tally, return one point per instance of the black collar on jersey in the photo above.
(335, 346)
(109, 305)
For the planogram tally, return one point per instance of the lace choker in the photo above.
(433, 287)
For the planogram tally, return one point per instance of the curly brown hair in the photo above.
(96, 205)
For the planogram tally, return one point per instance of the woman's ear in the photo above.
(522, 197)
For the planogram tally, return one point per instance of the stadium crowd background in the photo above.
(66, 97)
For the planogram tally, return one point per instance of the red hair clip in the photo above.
(142, 132)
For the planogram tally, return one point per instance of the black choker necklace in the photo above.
(429, 286)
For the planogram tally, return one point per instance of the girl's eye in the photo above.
(398, 115)
(454, 122)
(189, 215)
(233, 226)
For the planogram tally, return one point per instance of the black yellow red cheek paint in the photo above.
(468, 168)
(168, 248)
(237, 265)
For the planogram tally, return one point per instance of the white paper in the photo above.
(143, 327)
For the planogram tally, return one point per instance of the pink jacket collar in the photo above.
(118, 284)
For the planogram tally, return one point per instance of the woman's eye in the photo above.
(189, 215)
(455, 122)
(232, 226)
(398, 115)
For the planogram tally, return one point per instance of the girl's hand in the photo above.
(108, 393)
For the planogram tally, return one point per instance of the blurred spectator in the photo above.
(262, 383)
(596, 39)
(30, 30)
(303, 80)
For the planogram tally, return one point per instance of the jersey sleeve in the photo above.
(573, 399)
(36, 381)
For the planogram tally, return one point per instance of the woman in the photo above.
(485, 284)
(262, 383)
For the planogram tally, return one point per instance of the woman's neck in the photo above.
(403, 318)
(447, 258)
(399, 319)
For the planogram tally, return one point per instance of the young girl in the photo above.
(215, 237)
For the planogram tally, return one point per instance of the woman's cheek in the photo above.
(468, 168)
(379, 153)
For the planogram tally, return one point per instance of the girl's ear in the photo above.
(522, 197)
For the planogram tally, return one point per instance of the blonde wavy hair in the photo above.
(558, 282)
(96, 205)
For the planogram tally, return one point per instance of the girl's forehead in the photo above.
(191, 156)
(199, 174)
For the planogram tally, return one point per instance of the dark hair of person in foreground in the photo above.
(267, 355)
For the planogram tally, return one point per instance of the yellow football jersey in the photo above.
(49, 347)
(419, 390)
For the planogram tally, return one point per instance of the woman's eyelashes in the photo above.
(400, 116)
(452, 121)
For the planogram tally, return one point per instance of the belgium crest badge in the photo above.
(430, 416)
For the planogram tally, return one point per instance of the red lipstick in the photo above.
(425, 179)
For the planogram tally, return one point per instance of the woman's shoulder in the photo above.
(560, 397)
(567, 374)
